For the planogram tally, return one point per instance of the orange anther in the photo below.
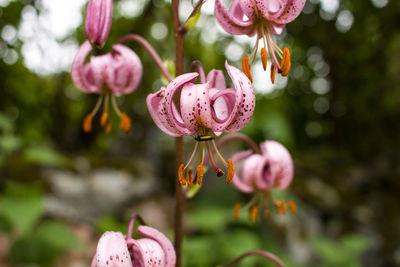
(231, 171)
(264, 57)
(200, 172)
(125, 122)
(236, 210)
(273, 73)
(189, 177)
(108, 127)
(246, 68)
(292, 206)
(181, 178)
(254, 214)
(282, 207)
(103, 119)
(285, 63)
(87, 123)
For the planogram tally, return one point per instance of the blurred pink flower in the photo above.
(206, 109)
(98, 21)
(272, 169)
(109, 75)
(154, 250)
(264, 18)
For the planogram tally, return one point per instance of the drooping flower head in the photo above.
(109, 75)
(206, 109)
(259, 173)
(264, 18)
(115, 250)
(98, 21)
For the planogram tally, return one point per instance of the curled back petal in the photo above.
(291, 10)
(147, 253)
(245, 99)
(222, 105)
(216, 79)
(78, 69)
(168, 109)
(232, 20)
(195, 106)
(125, 72)
(153, 105)
(255, 170)
(281, 163)
(162, 240)
(237, 181)
(112, 251)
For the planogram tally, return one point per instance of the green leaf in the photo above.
(209, 218)
(170, 66)
(9, 143)
(193, 191)
(110, 223)
(192, 20)
(58, 235)
(22, 213)
(45, 156)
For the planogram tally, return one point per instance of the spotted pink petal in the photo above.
(79, 74)
(167, 108)
(281, 163)
(232, 20)
(125, 71)
(245, 99)
(153, 104)
(98, 66)
(112, 251)
(98, 21)
(195, 106)
(147, 253)
(237, 181)
(291, 10)
(216, 79)
(162, 240)
(256, 171)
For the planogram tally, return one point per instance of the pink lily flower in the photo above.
(98, 21)
(109, 75)
(205, 110)
(272, 169)
(115, 250)
(264, 18)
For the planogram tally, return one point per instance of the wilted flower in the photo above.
(260, 173)
(114, 250)
(109, 75)
(98, 21)
(206, 109)
(264, 18)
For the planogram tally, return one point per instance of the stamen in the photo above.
(292, 206)
(221, 158)
(282, 207)
(115, 106)
(181, 178)
(236, 210)
(218, 171)
(104, 118)
(246, 68)
(273, 73)
(264, 58)
(254, 214)
(108, 127)
(125, 122)
(231, 171)
(285, 63)
(189, 177)
(200, 172)
(192, 156)
(87, 123)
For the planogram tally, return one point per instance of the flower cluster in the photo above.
(109, 75)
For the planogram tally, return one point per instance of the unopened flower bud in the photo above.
(98, 21)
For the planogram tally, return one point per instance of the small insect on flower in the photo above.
(115, 250)
(259, 173)
(109, 75)
(264, 18)
(206, 110)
